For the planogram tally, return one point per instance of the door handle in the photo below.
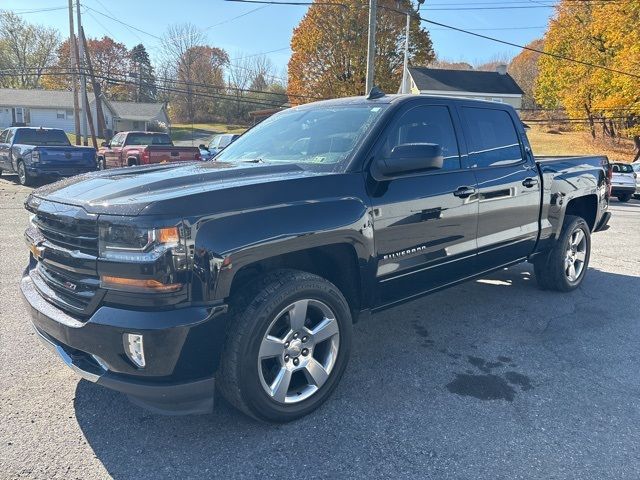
(530, 182)
(464, 192)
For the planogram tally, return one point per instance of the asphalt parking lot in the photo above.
(491, 379)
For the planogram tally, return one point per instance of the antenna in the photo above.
(374, 93)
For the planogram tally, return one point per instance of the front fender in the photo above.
(226, 244)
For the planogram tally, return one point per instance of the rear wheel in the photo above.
(287, 346)
(625, 197)
(23, 176)
(100, 164)
(565, 266)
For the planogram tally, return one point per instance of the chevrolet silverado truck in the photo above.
(127, 149)
(245, 275)
(42, 153)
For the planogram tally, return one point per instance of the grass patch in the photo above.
(198, 131)
(72, 139)
(578, 143)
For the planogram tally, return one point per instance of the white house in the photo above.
(496, 86)
(54, 109)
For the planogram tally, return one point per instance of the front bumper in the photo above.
(182, 348)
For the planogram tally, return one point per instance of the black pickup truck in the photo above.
(247, 273)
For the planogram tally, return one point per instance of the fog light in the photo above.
(135, 348)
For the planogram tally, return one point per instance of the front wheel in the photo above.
(100, 164)
(287, 346)
(624, 198)
(23, 176)
(565, 266)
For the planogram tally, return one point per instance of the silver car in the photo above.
(623, 181)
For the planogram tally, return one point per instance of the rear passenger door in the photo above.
(508, 185)
(425, 223)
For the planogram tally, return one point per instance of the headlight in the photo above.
(35, 156)
(129, 243)
(142, 259)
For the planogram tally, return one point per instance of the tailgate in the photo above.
(57, 158)
(173, 154)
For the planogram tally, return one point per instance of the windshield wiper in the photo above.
(253, 160)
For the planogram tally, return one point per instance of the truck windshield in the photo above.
(319, 136)
(148, 139)
(41, 137)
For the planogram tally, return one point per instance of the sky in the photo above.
(248, 29)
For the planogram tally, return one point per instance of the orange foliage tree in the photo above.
(330, 48)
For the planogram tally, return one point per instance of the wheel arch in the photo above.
(586, 207)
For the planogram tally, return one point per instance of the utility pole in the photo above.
(83, 81)
(74, 80)
(404, 88)
(371, 45)
(96, 87)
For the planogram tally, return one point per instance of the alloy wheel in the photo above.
(298, 351)
(576, 255)
(22, 174)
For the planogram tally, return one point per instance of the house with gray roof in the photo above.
(496, 86)
(54, 109)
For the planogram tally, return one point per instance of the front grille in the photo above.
(66, 271)
(72, 292)
(72, 233)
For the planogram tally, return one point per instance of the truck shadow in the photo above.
(402, 392)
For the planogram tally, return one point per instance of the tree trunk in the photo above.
(636, 142)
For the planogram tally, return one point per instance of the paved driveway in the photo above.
(491, 379)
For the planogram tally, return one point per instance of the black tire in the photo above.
(252, 314)
(132, 162)
(23, 176)
(100, 165)
(550, 270)
(624, 198)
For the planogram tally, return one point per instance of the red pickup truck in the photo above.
(142, 148)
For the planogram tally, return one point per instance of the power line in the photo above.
(461, 30)
(121, 22)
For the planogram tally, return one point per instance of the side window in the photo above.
(427, 124)
(491, 137)
(117, 140)
(3, 136)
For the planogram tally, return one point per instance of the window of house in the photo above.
(492, 139)
(427, 124)
(69, 113)
(21, 116)
(136, 125)
(60, 114)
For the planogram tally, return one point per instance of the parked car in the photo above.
(623, 181)
(42, 153)
(636, 169)
(217, 144)
(246, 274)
(127, 149)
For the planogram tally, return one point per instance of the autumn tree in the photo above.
(111, 65)
(524, 70)
(26, 51)
(330, 48)
(601, 87)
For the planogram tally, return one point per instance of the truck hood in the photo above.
(128, 191)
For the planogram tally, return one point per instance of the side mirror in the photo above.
(408, 158)
(202, 146)
(104, 144)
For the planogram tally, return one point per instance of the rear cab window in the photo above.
(41, 137)
(492, 138)
(148, 139)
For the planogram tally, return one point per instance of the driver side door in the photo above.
(425, 223)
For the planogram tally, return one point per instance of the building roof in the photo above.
(16, 97)
(137, 111)
(437, 79)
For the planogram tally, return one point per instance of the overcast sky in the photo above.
(268, 28)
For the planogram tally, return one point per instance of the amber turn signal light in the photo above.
(167, 235)
(138, 285)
